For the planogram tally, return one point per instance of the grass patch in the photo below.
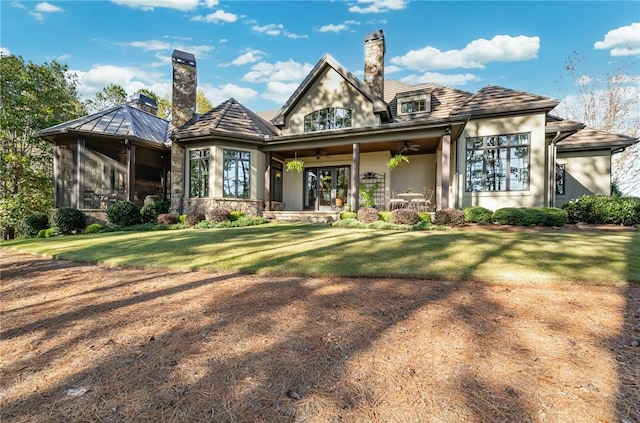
(314, 250)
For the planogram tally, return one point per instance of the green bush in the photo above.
(425, 217)
(93, 228)
(161, 207)
(182, 219)
(449, 217)
(405, 216)
(348, 215)
(167, 219)
(527, 216)
(235, 215)
(50, 233)
(42, 233)
(601, 209)
(68, 221)
(554, 216)
(31, 225)
(477, 214)
(219, 215)
(368, 215)
(148, 213)
(385, 216)
(513, 216)
(123, 213)
(195, 217)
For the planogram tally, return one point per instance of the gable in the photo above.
(330, 89)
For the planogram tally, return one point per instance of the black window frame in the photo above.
(199, 183)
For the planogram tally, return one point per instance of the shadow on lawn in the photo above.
(192, 347)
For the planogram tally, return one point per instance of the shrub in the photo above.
(235, 215)
(449, 217)
(161, 207)
(94, 228)
(219, 215)
(425, 217)
(554, 216)
(182, 219)
(42, 233)
(477, 214)
(167, 219)
(148, 213)
(68, 221)
(385, 216)
(348, 215)
(405, 216)
(512, 216)
(33, 224)
(193, 218)
(367, 215)
(123, 213)
(600, 209)
(50, 232)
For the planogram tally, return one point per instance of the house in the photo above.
(495, 148)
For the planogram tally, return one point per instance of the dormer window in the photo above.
(418, 101)
(413, 106)
(327, 119)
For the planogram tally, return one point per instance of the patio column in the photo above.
(79, 187)
(355, 178)
(131, 170)
(446, 170)
(267, 182)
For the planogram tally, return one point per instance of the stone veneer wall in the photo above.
(374, 49)
(204, 205)
(183, 107)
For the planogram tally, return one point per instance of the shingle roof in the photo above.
(499, 100)
(122, 121)
(444, 100)
(595, 139)
(229, 117)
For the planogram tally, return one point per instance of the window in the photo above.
(326, 119)
(199, 173)
(560, 177)
(413, 106)
(498, 163)
(276, 180)
(237, 170)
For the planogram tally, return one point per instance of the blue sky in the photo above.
(259, 51)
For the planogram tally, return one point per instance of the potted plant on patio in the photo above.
(295, 165)
(396, 161)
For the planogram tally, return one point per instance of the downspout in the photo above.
(552, 169)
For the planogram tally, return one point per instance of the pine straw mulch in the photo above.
(85, 343)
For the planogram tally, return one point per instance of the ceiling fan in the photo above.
(405, 147)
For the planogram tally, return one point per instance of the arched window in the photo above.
(326, 119)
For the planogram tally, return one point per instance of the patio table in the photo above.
(411, 196)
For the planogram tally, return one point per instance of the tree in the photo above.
(610, 102)
(164, 104)
(32, 97)
(203, 105)
(110, 96)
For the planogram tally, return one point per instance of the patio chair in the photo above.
(423, 203)
(397, 203)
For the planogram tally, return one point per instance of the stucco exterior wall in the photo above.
(419, 173)
(535, 195)
(586, 173)
(331, 90)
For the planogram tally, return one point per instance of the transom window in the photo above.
(413, 106)
(498, 163)
(560, 178)
(326, 119)
(199, 173)
(236, 174)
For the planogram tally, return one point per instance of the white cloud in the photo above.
(149, 5)
(250, 56)
(440, 78)
(501, 48)
(391, 69)
(279, 92)
(45, 7)
(623, 41)
(223, 41)
(216, 17)
(378, 6)
(333, 28)
(210, 3)
(128, 77)
(289, 71)
(156, 45)
(18, 5)
(275, 30)
(149, 45)
(5, 51)
(221, 93)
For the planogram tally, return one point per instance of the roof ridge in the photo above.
(226, 105)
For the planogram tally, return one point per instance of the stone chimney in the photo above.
(374, 49)
(145, 103)
(185, 85)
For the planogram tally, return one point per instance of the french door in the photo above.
(326, 188)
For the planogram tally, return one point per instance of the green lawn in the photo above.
(305, 249)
